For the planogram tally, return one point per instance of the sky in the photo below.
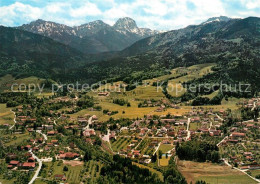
(154, 14)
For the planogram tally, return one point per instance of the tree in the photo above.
(257, 176)
(87, 156)
(160, 154)
(154, 158)
(201, 182)
(65, 168)
(98, 141)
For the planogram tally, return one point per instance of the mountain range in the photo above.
(234, 44)
(93, 37)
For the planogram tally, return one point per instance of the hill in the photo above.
(24, 54)
(233, 45)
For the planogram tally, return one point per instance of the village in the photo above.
(150, 140)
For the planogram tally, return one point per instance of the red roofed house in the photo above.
(28, 165)
(69, 155)
(238, 135)
(13, 162)
(60, 177)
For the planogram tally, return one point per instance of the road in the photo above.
(188, 132)
(254, 106)
(222, 141)
(89, 123)
(38, 160)
(38, 169)
(244, 146)
(44, 135)
(106, 137)
(210, 125)
(157, 148)
(219, 117)
(14, 120)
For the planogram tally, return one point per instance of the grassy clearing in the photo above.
(72, 174)
(8, 80)
(17, 139)
(45, 94)
(40, 181)
(164, 161)
(5, 181)
(230, 179)
(212, 173)
(175, 87)
(165, 147)
(6, 116)
(210, 96)
(194, 126)
(129, 112)
(255, 172)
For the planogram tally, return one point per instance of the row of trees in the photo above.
(121, 102)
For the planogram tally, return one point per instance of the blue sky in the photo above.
(155, 14)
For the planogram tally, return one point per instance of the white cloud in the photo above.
(57, 7)
(253, 4)
(18, 11)
(250, 4)
(88, 9)
(156, 8)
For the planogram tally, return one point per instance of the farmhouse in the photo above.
(238, 135)
(68, 155)
(28, 165)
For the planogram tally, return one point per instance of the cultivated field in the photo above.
(212, 173)
(6, 116)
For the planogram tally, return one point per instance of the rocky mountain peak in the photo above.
(125, 23)
(217, 19)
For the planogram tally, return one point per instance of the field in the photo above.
(45, 94)
(147, 92)
(72, 174)
(5, 181)
(165, 147)
(212, 173)
(77, 171)
(164, 161)
(40, 181)
(7, 81)
(6, 116)
(255, 172)
(175, 87)
(92, 171)
(120, 143)
(15, 140)
(129, 112)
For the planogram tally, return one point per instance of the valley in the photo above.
(142, 125)
(116, 103)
